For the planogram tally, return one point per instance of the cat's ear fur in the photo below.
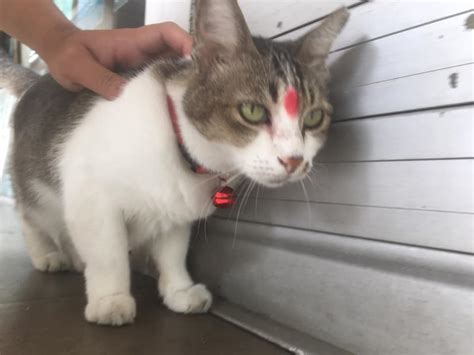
(220, 31)
(314, 46)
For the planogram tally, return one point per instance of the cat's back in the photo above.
(43, 116)
(46, 109)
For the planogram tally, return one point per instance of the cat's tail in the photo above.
(15, 78)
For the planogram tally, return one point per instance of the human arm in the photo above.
(78, 58)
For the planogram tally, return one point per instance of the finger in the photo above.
(165, 52)
(70, 86)
(92, 75)
(133, 60)
(155, 37)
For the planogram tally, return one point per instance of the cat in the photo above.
(94, 179)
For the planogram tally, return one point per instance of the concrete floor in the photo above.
(43, 314)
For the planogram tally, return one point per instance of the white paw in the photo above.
(115, 309)
(52, 262)
(194, 299)
(78, 265)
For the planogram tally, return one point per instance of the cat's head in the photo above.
(262, 105)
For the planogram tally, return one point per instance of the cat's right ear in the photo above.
(220, 31)
(314, 46)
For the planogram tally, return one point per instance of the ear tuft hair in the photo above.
(220, 29)
(314, 46)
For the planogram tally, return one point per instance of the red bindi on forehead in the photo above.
(291, 102)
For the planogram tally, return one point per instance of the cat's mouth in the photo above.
(279, 181)
(273, 182)
(275, 176)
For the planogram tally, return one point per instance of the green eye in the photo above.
(313, 119)
(253, 113)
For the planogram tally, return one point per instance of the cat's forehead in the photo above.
(286, 77)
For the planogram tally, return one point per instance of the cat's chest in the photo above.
(187, 198)
(175, 200)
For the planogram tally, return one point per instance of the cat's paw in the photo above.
(115, 310)
(194, 299)
(52, 262)
(77, 265)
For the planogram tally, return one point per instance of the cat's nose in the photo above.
(291, 163)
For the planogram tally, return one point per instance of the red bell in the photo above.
(224, 198)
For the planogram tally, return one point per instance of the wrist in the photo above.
(54, 38)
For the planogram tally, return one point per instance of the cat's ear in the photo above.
(220, 30)
(314, 47)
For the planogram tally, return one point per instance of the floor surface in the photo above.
(43, 314)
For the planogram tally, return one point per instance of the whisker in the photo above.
(307, 201)
(209, 204)
(233, 178)
(203, 212)
(237, 192)
(199, 220)
(310, 178)
(212, 176)
(250, 193)
(317, 167)
(256, 200)
(238, 213)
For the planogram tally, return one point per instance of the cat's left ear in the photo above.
(220, 31)
(314, 47)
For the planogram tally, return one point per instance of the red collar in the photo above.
(223, 198)
(198, 169)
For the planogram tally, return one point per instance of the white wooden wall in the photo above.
(378, 257)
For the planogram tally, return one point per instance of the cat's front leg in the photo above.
(179, 292)
(99, 234)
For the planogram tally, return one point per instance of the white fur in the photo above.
(125, 183)
(45, 233)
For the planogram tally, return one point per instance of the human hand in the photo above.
(79, 59)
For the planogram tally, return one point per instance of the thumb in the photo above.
(92, 75)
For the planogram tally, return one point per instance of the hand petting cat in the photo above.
(87, 58)
(78, 59)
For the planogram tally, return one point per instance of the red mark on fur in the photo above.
(292, 102)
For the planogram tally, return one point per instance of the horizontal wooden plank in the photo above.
(337, 288)
(264, 17)
(441, 230)
(387, 75)
(439, 88)
(406, 53)
(434, 265)
(443, 133)
(441, 185)
(268, 18)
(376, 19)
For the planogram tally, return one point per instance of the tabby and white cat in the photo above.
(94, 179)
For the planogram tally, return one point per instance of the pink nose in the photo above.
(291, 163)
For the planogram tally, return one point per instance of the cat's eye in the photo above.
(253, 113)
(313, 119)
